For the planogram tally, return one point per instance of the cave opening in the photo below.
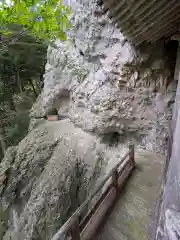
(111, 138)
(171, 49)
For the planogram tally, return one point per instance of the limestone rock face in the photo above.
(103, 84)
(106, 91)
(86, 60)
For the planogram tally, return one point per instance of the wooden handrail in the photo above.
(72, 224)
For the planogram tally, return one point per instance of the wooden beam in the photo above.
(169, 219)
(153, 16)
(155, 28)
(115, 176)
(68, 224)
(131, 154)
(94, 223)
(103, 195)
(75, 231)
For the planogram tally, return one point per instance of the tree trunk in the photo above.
(19, 81)
(2, 142)
(41, 81)
(11, 104)
(34, 90)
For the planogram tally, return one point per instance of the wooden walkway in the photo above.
(132, 216)
(120, 214)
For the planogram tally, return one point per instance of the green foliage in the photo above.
(26, 29)
(4, 216)
(21, 75)
(42, 19)
(21, 65)
(17, 126)
(16, 121)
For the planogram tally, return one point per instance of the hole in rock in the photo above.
(171, 48)
(112, 138)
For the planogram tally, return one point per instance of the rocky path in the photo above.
(132, 216)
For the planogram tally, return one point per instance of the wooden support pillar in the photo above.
(131, 154)
(75, 230)
(115, 177)
(89, 226)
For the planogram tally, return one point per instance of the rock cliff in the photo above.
(107, 93)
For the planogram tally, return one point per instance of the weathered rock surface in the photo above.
(103, 85)
(105, 89)
(48, 176)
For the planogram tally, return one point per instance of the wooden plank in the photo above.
(75, 231)
(124, 164)
(108, 4)
(96, 220)
(95, 207)
(154, 16)
(133, 12)
(101, 198)
(93, 224)
(156, 27)
(67, 226)
(115, 176)
(131, 154)
(125, 175)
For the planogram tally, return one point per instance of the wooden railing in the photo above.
(78, 227)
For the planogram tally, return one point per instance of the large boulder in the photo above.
(48, 175)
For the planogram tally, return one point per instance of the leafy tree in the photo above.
(26, 29)
(21, 64)
(2, 141)
(21, 69)
(46, 19)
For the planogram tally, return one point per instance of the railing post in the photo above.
(75, 230)
(115, 177)
(131, 154)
